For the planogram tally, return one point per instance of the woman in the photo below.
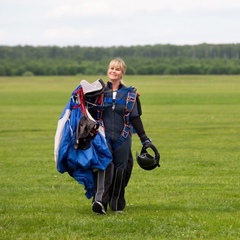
(120, 109)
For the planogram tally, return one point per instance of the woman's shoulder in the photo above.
(130, 88)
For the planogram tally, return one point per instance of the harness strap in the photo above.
(99, 109)
(124, 135)
(131, 99)
(79, 95)
(111, 100)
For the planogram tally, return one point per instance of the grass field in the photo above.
(195, 194)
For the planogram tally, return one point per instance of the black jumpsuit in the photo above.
(110, 184)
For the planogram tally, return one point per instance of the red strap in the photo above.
(99, 103)
(80, 95)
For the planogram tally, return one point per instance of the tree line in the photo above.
(141, 60)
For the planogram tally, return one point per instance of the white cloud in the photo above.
(3, 34)
(82, 9)
(111, 8)
(113, 22)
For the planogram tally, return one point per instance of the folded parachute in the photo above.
(70, 154)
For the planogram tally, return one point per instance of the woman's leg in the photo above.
(102, 183)
(122, 171)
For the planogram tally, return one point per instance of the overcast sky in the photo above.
(118, 23)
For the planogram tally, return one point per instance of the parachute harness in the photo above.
(87, 127)
(129, 104)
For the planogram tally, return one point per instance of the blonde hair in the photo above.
(118, 63)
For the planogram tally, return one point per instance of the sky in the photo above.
(107, 23)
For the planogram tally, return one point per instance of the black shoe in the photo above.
(98, 207)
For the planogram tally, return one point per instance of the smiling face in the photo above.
(115, 74)
(116, 70)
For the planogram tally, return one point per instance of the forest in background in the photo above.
(141, 60)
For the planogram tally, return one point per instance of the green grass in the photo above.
(193, 120)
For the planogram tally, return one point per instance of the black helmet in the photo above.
(145, 160)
